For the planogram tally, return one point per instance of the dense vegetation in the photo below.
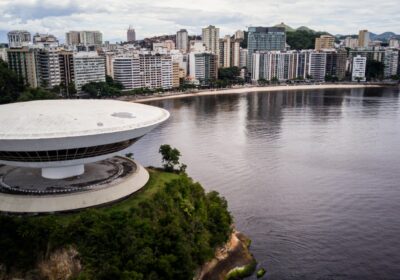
(302, 39)
(375, 70)
(12, 88)
(109, 88)
(164, 232)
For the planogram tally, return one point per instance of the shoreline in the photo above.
(241, 90)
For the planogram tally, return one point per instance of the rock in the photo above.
(62, 264)
(261, 272)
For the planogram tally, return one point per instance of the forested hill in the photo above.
(165, 231)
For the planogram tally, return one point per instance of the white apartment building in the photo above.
(210, 38)
(18, 38)
(91, 38)
(394, 43)
(269, 65)
(144, 71)
(48, 67)
(88, 67)
(126, 70)
(288, 65)
(229, 54)
(239, 34)
(359, 68)
(351, 43)
(3, 54)
(87, 38)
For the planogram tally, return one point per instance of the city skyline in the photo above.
(113, 18)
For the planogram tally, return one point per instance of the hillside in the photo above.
(165, 231)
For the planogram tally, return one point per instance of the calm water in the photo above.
(313, 177)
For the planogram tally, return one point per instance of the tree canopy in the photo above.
(302, 39)
(10, 85)
(109, 88)
(166, 231)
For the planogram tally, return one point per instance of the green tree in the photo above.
(375, 70)
(170, 157)
(11, 86)
(36, 94)
(302, 39)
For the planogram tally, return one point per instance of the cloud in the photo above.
(151, 18)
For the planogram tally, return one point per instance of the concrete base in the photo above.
(113, 191)
(63, 172)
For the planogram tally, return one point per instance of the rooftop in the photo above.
(70, 118)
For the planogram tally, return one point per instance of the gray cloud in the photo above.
(165, 17)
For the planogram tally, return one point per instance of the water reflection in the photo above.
(311, 176)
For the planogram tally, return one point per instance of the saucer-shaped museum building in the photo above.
(61, 155)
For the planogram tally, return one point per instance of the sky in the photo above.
(150, 18)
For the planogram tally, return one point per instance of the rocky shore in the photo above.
(231, 261)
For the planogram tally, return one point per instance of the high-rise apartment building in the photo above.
(239, 34)
(23, 62)
(265, 39)
(210, 38)
(72, 38)
(350, 42)
(175, 74)
(279, 65)
(66, 61)
(131, 34)
(363, 39)
(91, 38)
(336, 61)
(203, 67)
(317, 66)
(394, 43)
(88, 67)
(288, 65)
(86, 38)
(182, 40)
(126, 70)
(391, 62)
(243, 54)
(18, 38)
(324, 42)
(144, 71)
(48, 67)
(229, 54)
(358, 68)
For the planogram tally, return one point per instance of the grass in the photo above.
(157, 180)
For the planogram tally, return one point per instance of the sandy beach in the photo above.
(245, 90)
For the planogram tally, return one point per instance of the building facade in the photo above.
(265, 39)
(48, 67)
(23, 62)
(203, 67)
(363, 39)
(359, 68)
(324, 42)
(18, 38)
(88, 67)
(145, 71)
(131, 34)
(210, 38)
(182, 40)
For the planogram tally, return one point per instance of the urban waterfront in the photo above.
(310, 176)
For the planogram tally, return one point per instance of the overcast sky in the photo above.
(112, 17)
